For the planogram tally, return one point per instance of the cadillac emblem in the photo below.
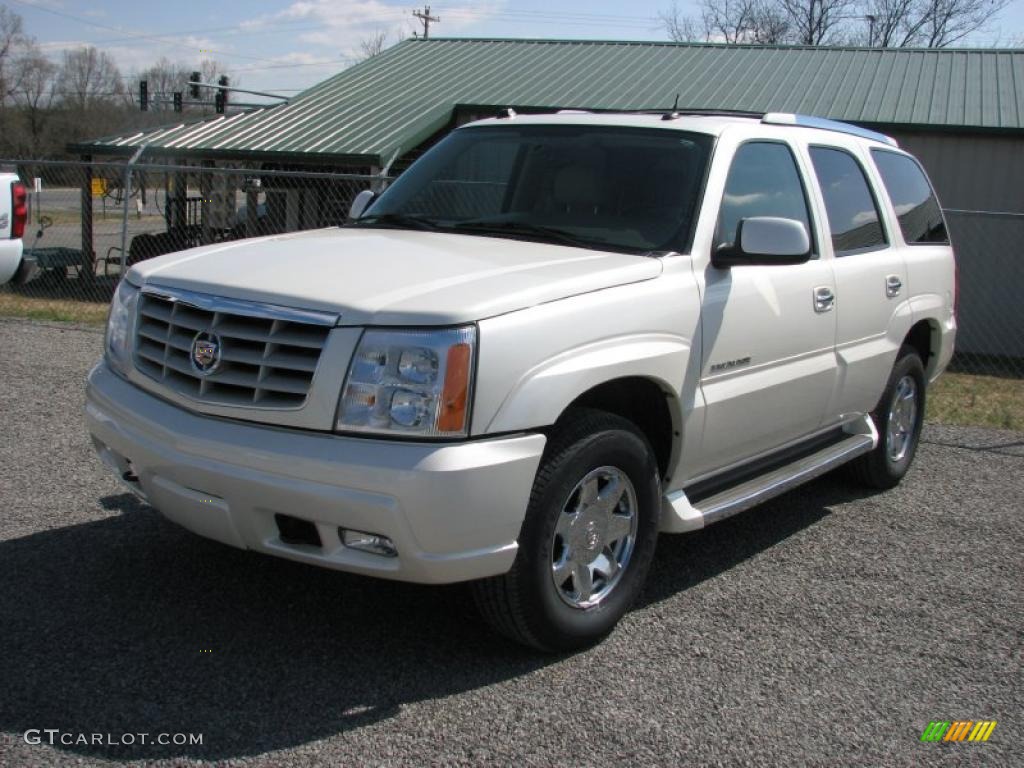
(205, 353)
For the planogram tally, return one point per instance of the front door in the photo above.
(768, 332)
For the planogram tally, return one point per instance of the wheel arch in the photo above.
(925, 336)
(648, 405)
(639, 377)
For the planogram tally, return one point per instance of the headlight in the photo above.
(120, 326)
(410, 383)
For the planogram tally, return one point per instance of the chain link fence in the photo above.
(89, 222)
(990, 258)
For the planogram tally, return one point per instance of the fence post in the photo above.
(88, 257)
(178, 205)
(252, 201)
(125, 194)
(206, 206)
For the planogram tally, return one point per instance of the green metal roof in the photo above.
(394, 101)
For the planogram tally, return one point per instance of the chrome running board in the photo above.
(679, 515)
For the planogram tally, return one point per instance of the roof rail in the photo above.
(693, 112)
(807, 121)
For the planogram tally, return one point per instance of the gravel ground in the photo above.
(827, 627)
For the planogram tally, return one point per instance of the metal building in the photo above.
(960, 111)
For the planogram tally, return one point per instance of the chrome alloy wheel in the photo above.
(594, 537)
(902, 418)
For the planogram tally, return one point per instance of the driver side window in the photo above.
(763, 181)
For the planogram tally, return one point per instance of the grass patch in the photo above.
(62, 310)
(984, 401)
(956, 398)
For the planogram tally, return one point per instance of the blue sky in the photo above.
(287, 45)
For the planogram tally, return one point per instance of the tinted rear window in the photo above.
(852, 213)
(912, 197)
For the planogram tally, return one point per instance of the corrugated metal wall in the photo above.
(971, 171)
(980, 181)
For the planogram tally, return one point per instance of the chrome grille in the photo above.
(266, 360)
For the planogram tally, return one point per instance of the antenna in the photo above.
(675, 110)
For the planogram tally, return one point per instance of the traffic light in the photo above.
(143, 96)
(193, 84)
(224, 81)
(177, 101)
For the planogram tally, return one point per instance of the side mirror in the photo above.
(765, 240)
(360, 204)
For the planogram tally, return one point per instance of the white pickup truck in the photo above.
(552, 338)
(13, 215)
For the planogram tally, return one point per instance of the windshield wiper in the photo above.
(406, 220)
(525, 228)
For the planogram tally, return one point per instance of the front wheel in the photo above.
(587, 540)
(898, 419)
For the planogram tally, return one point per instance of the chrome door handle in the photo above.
(893, 286)
(824, 299)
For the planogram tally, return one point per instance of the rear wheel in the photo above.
(898, 419)
(587, 539)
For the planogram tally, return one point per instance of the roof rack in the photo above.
(669, 114)
(674, 112)
(807, 121)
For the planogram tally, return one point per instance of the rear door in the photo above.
(872, 310)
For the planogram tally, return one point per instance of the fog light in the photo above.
(373, 543)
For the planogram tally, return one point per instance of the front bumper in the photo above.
(453, 511)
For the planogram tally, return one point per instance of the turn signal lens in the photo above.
(451, 415)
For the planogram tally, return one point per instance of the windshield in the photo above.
(602, 187)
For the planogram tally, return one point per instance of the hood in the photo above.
(395, 277)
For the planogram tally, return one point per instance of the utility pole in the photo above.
(425, 17)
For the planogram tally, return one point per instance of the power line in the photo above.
(157, 38)
(578, 19)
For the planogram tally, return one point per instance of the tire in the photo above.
(886, 465)
(592, 459)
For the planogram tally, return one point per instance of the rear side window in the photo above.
(916, 205)
(763, 181)
(852, 213)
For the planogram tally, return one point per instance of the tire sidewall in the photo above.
(558, 621)
(909, 364)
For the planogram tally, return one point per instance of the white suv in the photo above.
(552, 338)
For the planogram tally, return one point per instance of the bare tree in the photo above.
(926, 23)
(769, 25)
(34, 95)
(680, 28)
(373, 45)
(88, 77)
(211, 71)
(817, 22)
(12, 37)
(166, 76)
(163, 79)
(949, 21)
(892, 23)
(729, 21)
